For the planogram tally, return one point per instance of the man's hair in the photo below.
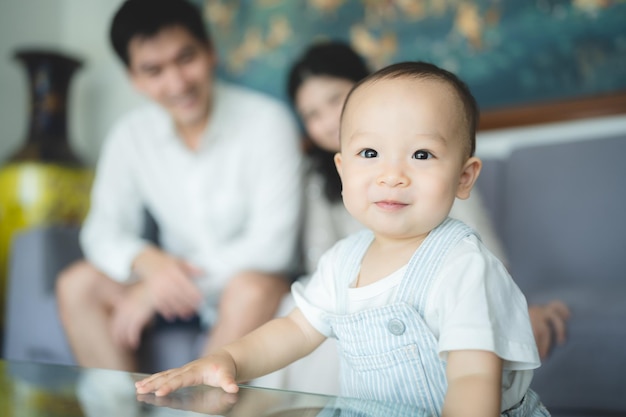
(145, 18)
(427, 71)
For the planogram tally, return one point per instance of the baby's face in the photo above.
(402, 155)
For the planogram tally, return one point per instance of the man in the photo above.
(218, 168)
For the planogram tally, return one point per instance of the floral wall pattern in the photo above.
(509, 51)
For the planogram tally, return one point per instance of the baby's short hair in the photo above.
(427, 71)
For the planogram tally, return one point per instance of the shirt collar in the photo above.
(212, 131)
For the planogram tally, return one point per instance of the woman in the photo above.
(318, 84)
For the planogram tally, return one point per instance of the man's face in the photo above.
(175, 70)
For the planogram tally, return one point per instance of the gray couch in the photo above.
(560, 212)
(33, 328)
(558, 209)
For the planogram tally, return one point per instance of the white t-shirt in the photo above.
(232, 205)
(474, 304)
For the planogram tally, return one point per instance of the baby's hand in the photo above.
(217, 370)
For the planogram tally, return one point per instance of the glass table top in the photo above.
(37, 390)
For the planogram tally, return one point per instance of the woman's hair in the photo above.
(146, 18)
(332, 59)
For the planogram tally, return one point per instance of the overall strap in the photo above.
(427, 259)
(351, 255)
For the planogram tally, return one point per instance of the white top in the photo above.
(325, 222)
(232, 205)
(474, 304)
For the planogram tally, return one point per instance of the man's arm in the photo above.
(168, 282)
(111, 235)
(165, 286)
(269, 348)
(111, 240)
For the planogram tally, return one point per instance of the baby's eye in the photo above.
(422, 155)
(368, 153)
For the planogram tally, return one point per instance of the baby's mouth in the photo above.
(390, 205)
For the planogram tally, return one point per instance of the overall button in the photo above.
(396, 327)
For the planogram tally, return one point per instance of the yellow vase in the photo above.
(43, 183)
(37, 194)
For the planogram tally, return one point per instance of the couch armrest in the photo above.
(33, 328)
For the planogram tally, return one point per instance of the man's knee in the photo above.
(78, 283)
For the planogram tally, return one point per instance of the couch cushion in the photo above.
(565, 232)
(564, 218)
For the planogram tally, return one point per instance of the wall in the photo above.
(513, 52)
(44, 27)
(99, 91)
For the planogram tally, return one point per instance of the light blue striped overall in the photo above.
(388, 353)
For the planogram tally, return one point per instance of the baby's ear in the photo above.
(338, 163)
(469, 174)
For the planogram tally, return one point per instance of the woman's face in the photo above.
(319, 101)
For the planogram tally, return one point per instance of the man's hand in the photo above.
(169, 283)
(131, 314)
(549, 323)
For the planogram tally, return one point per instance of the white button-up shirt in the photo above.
(232, 205)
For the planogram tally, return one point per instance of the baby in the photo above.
(423, 313)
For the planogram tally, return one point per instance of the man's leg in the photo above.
(249, 300)
(86, 297)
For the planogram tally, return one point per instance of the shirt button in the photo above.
(396, 327)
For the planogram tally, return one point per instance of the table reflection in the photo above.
(33, 390)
